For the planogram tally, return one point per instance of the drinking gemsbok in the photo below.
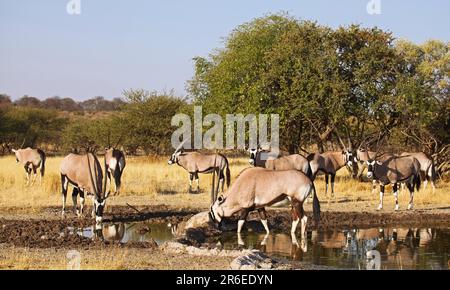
(84, 172)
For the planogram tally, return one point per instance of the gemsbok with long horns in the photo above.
(394, 170)
(195, 163)
(427, 168)
(84, 172)
(31, 159)
(362, 156)
(115, 164)
(256, 188)
(332, 161)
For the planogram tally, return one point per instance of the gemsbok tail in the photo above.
(42, 168)
(316, 205)
(416, 181)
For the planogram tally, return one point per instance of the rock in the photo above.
(195, 235)
(252, 261)
(44, 237)
(199, 220)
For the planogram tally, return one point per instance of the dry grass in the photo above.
(150, 181)
(107, 259)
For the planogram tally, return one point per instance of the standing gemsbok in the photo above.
(115, 164)
(256, 188)
(427, 169)
(84, 172)
(394, 170)
(330, 162)
(294, 161)
(31, 159)
(362, 156)
(195, 163)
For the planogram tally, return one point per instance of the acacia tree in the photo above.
(317, 79)
(423, 90)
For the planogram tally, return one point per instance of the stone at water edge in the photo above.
(199, 220)
(252, 261)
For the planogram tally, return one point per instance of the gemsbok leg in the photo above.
(410, 185)
(198, 183)
(380, 207)
(74, 200)
(34, 174)
(326, 185)
(333, 176)
(395, 189)
(64, 187)
(191, 177)
(298, 215)
(242, 217)
(28, 171)
(263, 217)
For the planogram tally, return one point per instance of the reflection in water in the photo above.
(128, 232)
(385, 248)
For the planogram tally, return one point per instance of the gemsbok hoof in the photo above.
(396, 208)
(410, 207)
(380, 207)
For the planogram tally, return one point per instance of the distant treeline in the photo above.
(64, 104)
(141, 123)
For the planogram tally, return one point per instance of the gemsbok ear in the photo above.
(379, 163)
(13, 150)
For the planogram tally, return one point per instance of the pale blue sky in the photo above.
(115, 45)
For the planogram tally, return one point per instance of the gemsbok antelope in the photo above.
(84, 172)
(394, 170)
(362, 156)
(195, 163)
(31, 159)
(294, 161)
(256, 188)
(427, 169)
(329, 163)
(115, 164)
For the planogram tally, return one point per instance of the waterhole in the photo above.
(379, 248)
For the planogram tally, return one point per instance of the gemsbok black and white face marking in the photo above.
(348, 157)
(174, 158)
(253, 154)
(371, 167)
(99, 206)
(216, 211)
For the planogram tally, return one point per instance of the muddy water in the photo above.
(128, 232)
(380, 248)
